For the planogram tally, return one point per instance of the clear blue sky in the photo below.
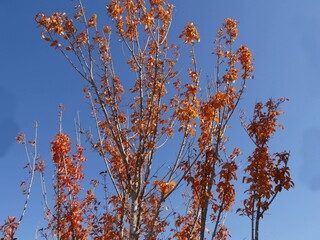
(284, 37)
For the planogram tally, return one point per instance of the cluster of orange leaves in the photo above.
(212, 170)
(165, 187)
(267, 174)
(73, 217)
(67, 218)
(9, 228)
(130, 14)
(190, 34)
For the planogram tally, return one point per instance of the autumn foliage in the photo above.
(266, 174)
(138, 114)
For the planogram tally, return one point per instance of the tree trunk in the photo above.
(134, 231)
(257, 227)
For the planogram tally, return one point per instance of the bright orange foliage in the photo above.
(135, 117)
(67, 219)
(266, 174)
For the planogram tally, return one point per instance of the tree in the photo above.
(267, 173)
(134, 121)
